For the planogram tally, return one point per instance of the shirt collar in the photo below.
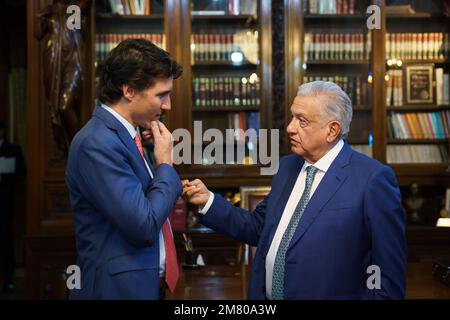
(325, 162)
(131, 130)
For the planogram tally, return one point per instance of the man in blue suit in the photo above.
(120, 203)
(333, 226)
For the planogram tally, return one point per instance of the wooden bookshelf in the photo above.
(420, 22)
(372, 117)
(355, 70)
(216, 116)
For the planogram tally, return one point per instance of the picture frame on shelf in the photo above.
(250, 198)
(444, 219)
(419, 84)
(447, 200)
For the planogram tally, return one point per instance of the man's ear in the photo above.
(334, 130)
(128, 92)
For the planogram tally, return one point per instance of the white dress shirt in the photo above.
(133, 132)
(323, 164)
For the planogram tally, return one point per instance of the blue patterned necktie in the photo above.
(278, 268)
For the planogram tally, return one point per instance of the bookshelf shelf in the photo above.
(222, 64)
(356, 16)
(225, 108)
(418, 141)
(420, 15)
(108, 16)
(420, 61)
(424, 107)
(214, 18)
(420, 168)
(325, 62)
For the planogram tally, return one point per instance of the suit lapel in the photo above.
(283, 197)
(126, 139)
(331, 182)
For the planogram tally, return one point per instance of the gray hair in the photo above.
(336, 102)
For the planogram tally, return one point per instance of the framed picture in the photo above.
(419, 84)
(250, 197)
(447, 200)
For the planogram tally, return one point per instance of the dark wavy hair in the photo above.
(137, 63)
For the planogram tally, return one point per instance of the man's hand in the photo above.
(195, 192)
(163, 143)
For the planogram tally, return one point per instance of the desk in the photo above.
(221, 282)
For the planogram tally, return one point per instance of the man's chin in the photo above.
(297, 150)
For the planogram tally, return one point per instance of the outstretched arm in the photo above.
(222, 216)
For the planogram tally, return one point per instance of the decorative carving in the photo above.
(278, 101)
(57, 206)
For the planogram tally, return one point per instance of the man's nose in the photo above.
(290, 127)
(167, 105)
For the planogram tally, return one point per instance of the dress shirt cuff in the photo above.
(208, 204)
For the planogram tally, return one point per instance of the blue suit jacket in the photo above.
(353, 220)
(118, 211)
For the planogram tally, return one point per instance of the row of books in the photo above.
(417, 45)
(226, 91)
(243, 120)
(105, 42)
(355, 86)
(394, 88)
(419, 125)
(337, 46)
(329, 6)
(228, 7)
(220, 47)
(130, 7)
(442, 87)
(426, 153)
